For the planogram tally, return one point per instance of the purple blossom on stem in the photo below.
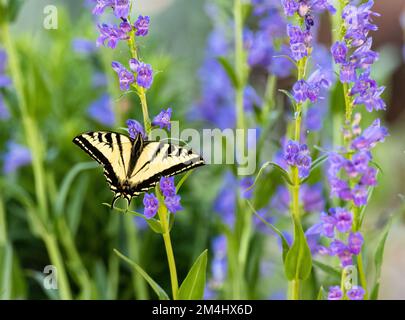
(356, 293)
(144, 77)
(135, 128)
(335, 293)
(297, 155)
(101, 5)
(163, 119)
(173, 203)
(370, 136)
(151, 205)
(290, 7)
(142, 26)
(167, 186)
(355, 242)
(344, 219)
(339, 52)
(110, 34)
(125, 77)
(121, 8)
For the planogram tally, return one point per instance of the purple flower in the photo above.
(358, 22)
(16, 157)
(344, 219)
(142, 26)
(219, 247)
(144, 72)
(300, 91)
(163, 119)
(364, 57)
(125, 26)
(101, 5)
(369, 93)
(134, 128)
(290, 7)
(101, 110)
(360, 195)
(370, 136)
(315, 117)
(151, 205)
(347, 73)
(335, 293)
(167, 186)
(355, 242)
(83, 46)
(300, 41)
(173, 203)
(112, 34)
(356, 293)
(260, 49)
(298, 155)
(328, 225)
(125, 77)
(339, 52)
(121, 8)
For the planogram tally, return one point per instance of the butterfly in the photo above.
(133, 166)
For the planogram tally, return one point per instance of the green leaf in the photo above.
(331, 271)
(182, 180)
(321, 294)
(67, 183)
(284, 242)
(6, 266)
(378, 260)
(154, 224)
(193, 285)
(290, 96)
(158, 290)
(298, 262)
(229, 70)
(279, 169)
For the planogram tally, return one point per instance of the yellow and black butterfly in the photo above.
(132, 166)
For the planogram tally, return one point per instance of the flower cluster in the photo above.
(143, 71)
(163, 119)
(350, 178)
(263, 44)
(355, 57)
(110, 35)
(355, 293)
(171, 199)
(297, 155)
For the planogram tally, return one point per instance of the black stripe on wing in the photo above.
(177, 169)
(97, 155)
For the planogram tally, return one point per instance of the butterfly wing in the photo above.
(159, 159)
(113, 151)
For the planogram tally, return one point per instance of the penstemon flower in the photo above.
(101, 110)
(163, 119)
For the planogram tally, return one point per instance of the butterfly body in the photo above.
(133, 166)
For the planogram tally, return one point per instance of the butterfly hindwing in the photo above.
(158, 160)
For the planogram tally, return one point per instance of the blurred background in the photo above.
(70, 88)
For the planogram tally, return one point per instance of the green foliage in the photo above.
(193, 285)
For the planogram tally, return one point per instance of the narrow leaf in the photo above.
(154, 224)
(158, 290)
(229, 70)
(298, 262)
(284, 242)
(378, 260)
(327, 269)
(193, 285)
(321, 294)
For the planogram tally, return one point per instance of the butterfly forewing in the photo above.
(111, 150)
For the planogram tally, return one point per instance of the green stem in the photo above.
(56, 258)
(163, 217)
(240, 64)
(138, 282)
(140, 91)
(30, 129)
(3, 224)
